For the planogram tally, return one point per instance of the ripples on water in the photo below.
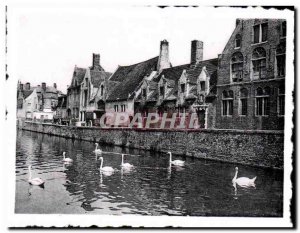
(201, 188)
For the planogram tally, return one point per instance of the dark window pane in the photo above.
(224, 103)
(182, 86)
(256, 33)
(281, 65)
(202, 86)
(281, 105)
(230, 107)
(244, 107)
(266, 106)
(264, 29)
(258, 106)
(283, 29)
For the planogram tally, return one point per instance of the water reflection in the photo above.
(152, 187)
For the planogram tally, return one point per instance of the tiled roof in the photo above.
(173, 73)
(130, 78)
(98, 76)
(78, 76)
(27, 93)
(195, 70)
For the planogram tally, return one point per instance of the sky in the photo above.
(46, 43)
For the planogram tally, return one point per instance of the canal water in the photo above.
(200, 188)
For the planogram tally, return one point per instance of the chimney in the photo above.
(44, 86)
(54, 85)
(163, 61)
(96, 61)
(237, 21)
(27, 86)
(196, 51)
(21, 86)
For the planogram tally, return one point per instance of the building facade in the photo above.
(251, 76)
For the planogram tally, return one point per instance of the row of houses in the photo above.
(242, 88)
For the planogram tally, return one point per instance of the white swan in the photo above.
(243, 181)
(35, 181)
(105, 169)
(176, 162)
(67, 160)
(98, 151)
(125, 165)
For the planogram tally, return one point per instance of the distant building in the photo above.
(73, 93)
(61, 110)
(251, 76)
(37, 103)
(94, 76)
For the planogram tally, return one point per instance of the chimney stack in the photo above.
(27, 86)
(196, 51)
(163, 61)
(54, 85)
(21, 86)
(96, 61)
(44, 86)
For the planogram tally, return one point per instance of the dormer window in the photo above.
(162, 90)
(202, 85)
(86, 82)
(260, 33)
(182, 87)
(238, 40)
(144, 92)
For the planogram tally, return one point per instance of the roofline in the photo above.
(138, 62)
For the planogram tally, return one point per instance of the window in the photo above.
(281, 101)
(238, 40)
(237, 67)
(280, 60)
(182, 87)
(144, 92)
(283, 29)
(201, 98)
(260, 33)
(101, 90)
(123, 107)
(263, 101)
(259, 63)
(202, 85)
(243, 102)
(116, 107)
(227, 103)
(162, 90)
(86, 82)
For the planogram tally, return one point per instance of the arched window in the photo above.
(243, 101)
(227, 103)
(238, 40)
(237, 67)
(263, 101)
(259, 63)
(280, 59)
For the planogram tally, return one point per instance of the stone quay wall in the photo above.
(256, 148)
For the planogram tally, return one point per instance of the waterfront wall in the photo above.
(258, 148)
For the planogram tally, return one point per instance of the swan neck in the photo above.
(170, 157)
(96, 147)
(235, 176)
(101, 163)
(122, 159)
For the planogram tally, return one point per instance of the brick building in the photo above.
(251, 76)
